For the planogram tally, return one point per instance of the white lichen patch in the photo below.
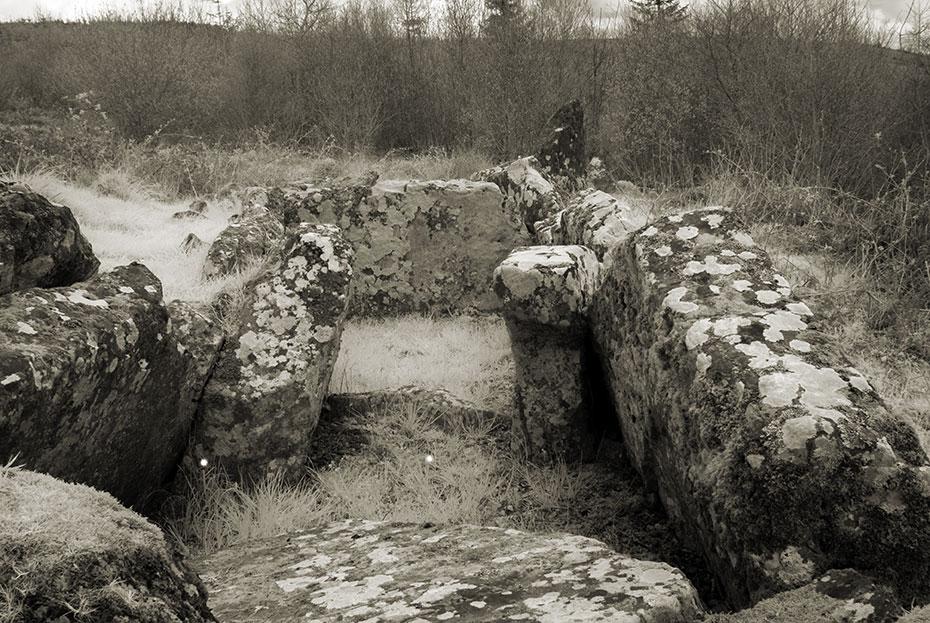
(686, 233)
(780, 321)
(859, 382)
(126, 290)
(151, 289)
(80, 297)
(741, 285)
(714, 289)
(441, 591)
(711, 266)
(697, 333)
(799, 308)
(713, 220)
(743, 238)
(663, 251)
(673, 301)
(730, 325)
(747, 255)
(703, 363)
(9, 380)
(649, 231)
(23, 327)
(767, 297)
(760, 355)
(810, 386)
(800, 345)
(796, 432)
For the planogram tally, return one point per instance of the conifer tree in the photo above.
(664, 10)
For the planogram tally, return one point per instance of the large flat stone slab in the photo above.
(380, 571)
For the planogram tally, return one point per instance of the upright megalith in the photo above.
(765, 445)
(89, 383)
(41, 243)
(263, 399)
(545, 294)
(562, 154)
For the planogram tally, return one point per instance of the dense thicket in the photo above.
(790, 88)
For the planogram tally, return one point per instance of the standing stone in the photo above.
(40, 243)
(263, 400)
(545, 293)
(89, 383)
(562, 154)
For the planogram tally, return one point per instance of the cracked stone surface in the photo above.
(378, 571)
(420, 246)
(545, 293)
(70, 546)
(263, 399)
(89, 383)
(41, 243)
(528, 192)
(765, 445)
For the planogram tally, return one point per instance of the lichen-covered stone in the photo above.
(839, 596)
(256, 234)
(427, 246)
(41, 243)
(529, 193)
(89, 383)
(264, 397)
(766, 446)
(379, 571)
(71, 553)
(562, 154)
(202, 338)
(594, 219)
(545, 293)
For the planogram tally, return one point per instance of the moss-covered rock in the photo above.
(263, 399)
(41, 243)
(839, 596)
(766, 446)
(379, 571)
(89, 383)
(71, 553)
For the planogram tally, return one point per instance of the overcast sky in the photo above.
(884, 10)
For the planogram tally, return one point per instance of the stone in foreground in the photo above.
(264, 397)
(89, 383)
(72, 553)
(41, 243)
(545, 293)
(380, 571)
